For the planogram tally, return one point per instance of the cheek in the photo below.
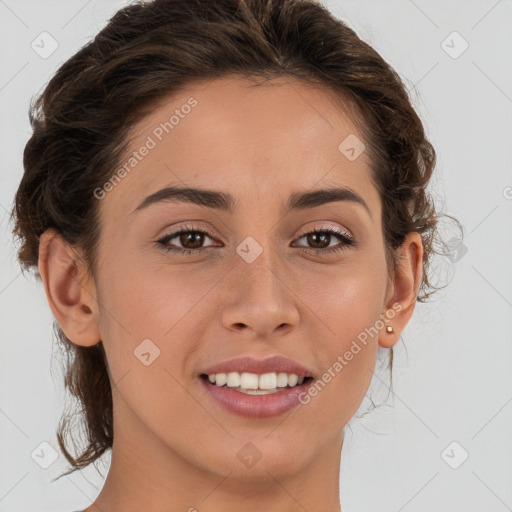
(161, 305)
(347, 297)
(145, 321)
(348, 304)
(144, 302)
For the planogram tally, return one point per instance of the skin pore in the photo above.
(175, 449)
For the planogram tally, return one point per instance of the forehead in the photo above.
(251, 137)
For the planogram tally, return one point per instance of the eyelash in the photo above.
(347, 241)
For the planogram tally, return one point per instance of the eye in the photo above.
(323, 236)
(188, 236)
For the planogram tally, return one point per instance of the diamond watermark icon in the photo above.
(454, 45)
(352, 147)
(249, 455)
(44, 455)
(454, 455)
(44, 45)
(455, 249)
(146, 352)
(249, 249)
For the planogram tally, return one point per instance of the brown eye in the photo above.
(321, 238)
(190, 238)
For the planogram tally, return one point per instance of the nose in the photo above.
(261, 298)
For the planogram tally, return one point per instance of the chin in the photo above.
(259, 460)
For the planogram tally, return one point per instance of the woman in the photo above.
(227, 205)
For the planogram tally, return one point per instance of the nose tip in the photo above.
(262, 300)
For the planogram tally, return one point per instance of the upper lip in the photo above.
(259, 366)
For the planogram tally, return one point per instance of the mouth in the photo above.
(256, 395)
(254, 384)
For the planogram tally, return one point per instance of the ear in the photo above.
(70, 291)
(403, 289)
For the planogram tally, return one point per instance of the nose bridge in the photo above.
(259, 266)
(259, 261)
(261, 298)
(258, 251)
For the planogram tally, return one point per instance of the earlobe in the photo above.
(69, 290)
(404, 290)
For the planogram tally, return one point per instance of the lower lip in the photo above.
(256, 406)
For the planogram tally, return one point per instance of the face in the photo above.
(246, 278)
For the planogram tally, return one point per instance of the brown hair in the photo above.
(148, 51)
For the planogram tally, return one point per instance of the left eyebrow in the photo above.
(226, 202)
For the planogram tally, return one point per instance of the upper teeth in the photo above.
(254, 381)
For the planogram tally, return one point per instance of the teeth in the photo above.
(220, 379)
(282, 380)
(261, 384)
(233, 380)
(249, 381)
(267, 381)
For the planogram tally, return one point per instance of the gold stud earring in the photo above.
(390, 329)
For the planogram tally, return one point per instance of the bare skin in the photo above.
(175, 449)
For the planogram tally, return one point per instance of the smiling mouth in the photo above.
(257, 390)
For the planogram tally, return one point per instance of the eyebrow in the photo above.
(226, 202)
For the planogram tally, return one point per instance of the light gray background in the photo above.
(452, 384)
